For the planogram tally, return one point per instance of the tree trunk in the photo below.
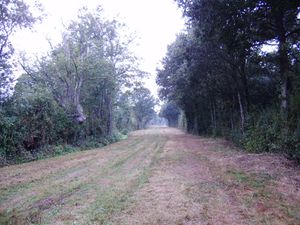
(244, 83)
(140, 124)
(242, 113)
(79, 116)
(241, 84)
(196, 130)
(110, 119)
(190, 122)
(284, 74)
(213, 117)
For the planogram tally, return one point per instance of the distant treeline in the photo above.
(85, 93)
(235, 72)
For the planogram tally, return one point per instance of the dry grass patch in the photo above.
(157, 176)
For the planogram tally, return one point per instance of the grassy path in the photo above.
(156, 176)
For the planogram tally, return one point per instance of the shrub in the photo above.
(265, 133)
(64, 149)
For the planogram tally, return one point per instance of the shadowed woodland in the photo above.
(235, 73)
(230, 91)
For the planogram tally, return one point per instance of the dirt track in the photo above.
(156, 176)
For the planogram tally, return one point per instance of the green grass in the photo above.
(114, 200)
(255, 181)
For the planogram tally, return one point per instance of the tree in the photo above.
(219, 75)
(91, 63)
(79, 94)
(124, 115)
(242, 25)
(143, 106)
(279, 21)
(14, 14)
(171, 112)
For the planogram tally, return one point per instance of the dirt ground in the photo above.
(156, 176)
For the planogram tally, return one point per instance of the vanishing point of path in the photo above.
(156, 176)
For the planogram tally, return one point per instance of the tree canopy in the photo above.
(226, 84)
(14, 14)
(86, 91)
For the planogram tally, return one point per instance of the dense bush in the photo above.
(265, 133)
(27, 124)
(36, 127)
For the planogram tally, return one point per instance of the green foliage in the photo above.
(265, 134)
(9, 136)
(223, 81)
(171, 112)
(124, 115)
(235, 135)
(63, 149)
(28, 124)
(72, 98)
(34, 126)
(143, 106)
(14, 14)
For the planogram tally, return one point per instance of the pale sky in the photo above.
(155, 23)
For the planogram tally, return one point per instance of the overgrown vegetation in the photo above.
(85, 93)
(225, 81)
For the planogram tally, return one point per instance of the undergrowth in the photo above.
(59, 150)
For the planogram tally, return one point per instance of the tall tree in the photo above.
(143, 106)
(279, 20)
(14, 14)
(90, 56)
(240, 26)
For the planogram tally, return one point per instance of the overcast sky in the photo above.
(155, 23)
